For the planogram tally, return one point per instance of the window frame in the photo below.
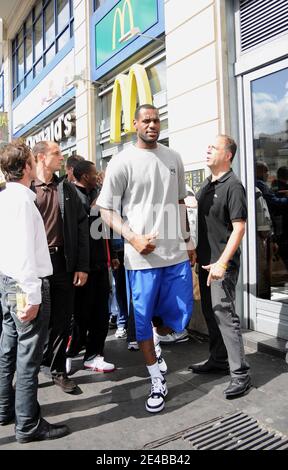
(18, 86)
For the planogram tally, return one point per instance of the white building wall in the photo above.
(85, 112)
(196, 85)
(79, 59)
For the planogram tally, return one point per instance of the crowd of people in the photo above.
(68, 240)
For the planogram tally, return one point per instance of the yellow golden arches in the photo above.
(120, 15)
(125, 91)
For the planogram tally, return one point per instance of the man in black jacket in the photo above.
(66, 226)
(91, 306)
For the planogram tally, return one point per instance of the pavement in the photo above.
(107, 411)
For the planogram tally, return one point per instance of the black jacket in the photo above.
(98, 246)
(75, 227)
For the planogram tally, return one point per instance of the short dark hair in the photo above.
(13, 159)
(143, 106)
(282, 172)
(82, 168)
(230, 144)
(73, 160)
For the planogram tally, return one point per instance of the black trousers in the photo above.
(62, 302)
(91, 314)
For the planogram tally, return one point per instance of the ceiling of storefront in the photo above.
(7, 7)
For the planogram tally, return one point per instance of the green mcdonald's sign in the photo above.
(125, 17)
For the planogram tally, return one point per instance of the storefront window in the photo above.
(38, 42)
(47, 29)
(157, 77)
(29, 49)
(270, 133)
(63, 14)
(106, 111)
(49, 24)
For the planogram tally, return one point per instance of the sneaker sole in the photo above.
(99, 370)
(182, 340)
(160, 408)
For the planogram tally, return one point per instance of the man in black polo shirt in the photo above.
(222, 214)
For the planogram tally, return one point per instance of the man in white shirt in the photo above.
(24, 265)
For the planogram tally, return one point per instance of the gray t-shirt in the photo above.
(144, 186)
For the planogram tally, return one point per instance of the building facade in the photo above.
(74, 70)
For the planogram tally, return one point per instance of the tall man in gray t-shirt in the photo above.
(143, 200)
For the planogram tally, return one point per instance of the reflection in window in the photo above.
(41, 39)
(63, 39)
(270, 129)
(63, 14)
(21, 62)
(38, 41)
(29, 50)
(49, 24)
(157, 77)
(106, 111)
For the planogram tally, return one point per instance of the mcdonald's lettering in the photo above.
(124, 96)
(120, 16)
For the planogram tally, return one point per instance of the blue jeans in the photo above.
(21, 350)
(120, 288)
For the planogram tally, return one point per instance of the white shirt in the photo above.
(145, 186)
(24, 253)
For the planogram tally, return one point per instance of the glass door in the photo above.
(266, 133)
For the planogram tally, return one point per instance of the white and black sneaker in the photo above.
(160, 359)
(162, 365)
(159, 390)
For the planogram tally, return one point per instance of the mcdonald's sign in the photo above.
(124, 96)
(110, 27)
(119, 16)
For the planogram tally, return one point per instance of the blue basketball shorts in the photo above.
(163, 292)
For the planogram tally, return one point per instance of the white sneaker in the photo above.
(174, 337)
(121, 332)
(161, 361)
(133, 346)
(159, 390)
(162, 365)
(68, 365)
(99, 365)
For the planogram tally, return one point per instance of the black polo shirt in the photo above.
(220, 202)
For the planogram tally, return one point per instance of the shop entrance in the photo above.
(266, 135)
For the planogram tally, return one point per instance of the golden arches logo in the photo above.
(120, 16)
(125, 90)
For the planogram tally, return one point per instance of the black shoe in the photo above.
(237, 386)
(46, 431)
(9, 420)
(64, 382)
(113, 322)
(208, 368)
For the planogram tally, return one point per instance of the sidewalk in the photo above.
(108, 410)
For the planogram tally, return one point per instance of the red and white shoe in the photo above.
(99, 365)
